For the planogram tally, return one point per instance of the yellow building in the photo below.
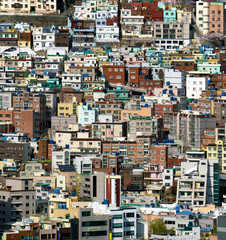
(67, 109)
(218, 151)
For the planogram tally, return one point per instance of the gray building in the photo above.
(189, 127)
(17, 200)
(91, 226)
(221, 229)
(93, 186)
(171, 30)
(141, 125)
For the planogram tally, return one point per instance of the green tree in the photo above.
(159, 227)
(214, 230)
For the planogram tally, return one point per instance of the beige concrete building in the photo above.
(202, 16)
(85, 145)
(29, 6)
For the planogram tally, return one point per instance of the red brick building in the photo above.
(158, 155)
(139, 77)
(184, 65)
(35, 102)
(115, 73)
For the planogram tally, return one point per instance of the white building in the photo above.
(175, 77)
(107, 33)
(61, 157)
(83, 165)
(195, 86)
(72, 80)
(43, 38)
(86, 115)
(192, 186)
(123, 221)
(168, 177)
(202, 16)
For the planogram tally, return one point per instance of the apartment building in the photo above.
(123, 220)
(20, 152)
(153, 174)
(115, 73)
(141, 125)
(91, 225)
(62, 38)
(35, 102)
(43, 38)
(109, 131)
(189, 127)
(87, 114)
(218, 152)
(171, 30)
(83, 32)
(8, 38)
(86, 145)
(220, 110)
(66, 109)
(132, 178)
(17, 200)
(108, 107)
(192, 186)
(195, 86)
(30, 6)
(137, 151)
(61, 157)
(216, 17)
(202, 16)
(132, 25)
(203, 105)
(185, 65)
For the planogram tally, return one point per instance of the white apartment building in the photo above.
(72, 80)
(107, 34)
(195, 86)
(83, 165)
(175, 77)
(29, 6)
(202, 16)
(132, 25)
(43, 38)
(192, 186)
(61, 157)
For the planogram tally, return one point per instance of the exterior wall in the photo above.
(195, 86)
(101, 223)
(10, 199)
(158, 155)
(184, 65)
(66, 109)
(114, 74)
(29, 6)
(216, 17)
(202, 16)
(145, 112)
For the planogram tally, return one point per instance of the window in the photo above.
(117, 216)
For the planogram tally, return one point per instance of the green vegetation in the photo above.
(214, 230)
(159, 227)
